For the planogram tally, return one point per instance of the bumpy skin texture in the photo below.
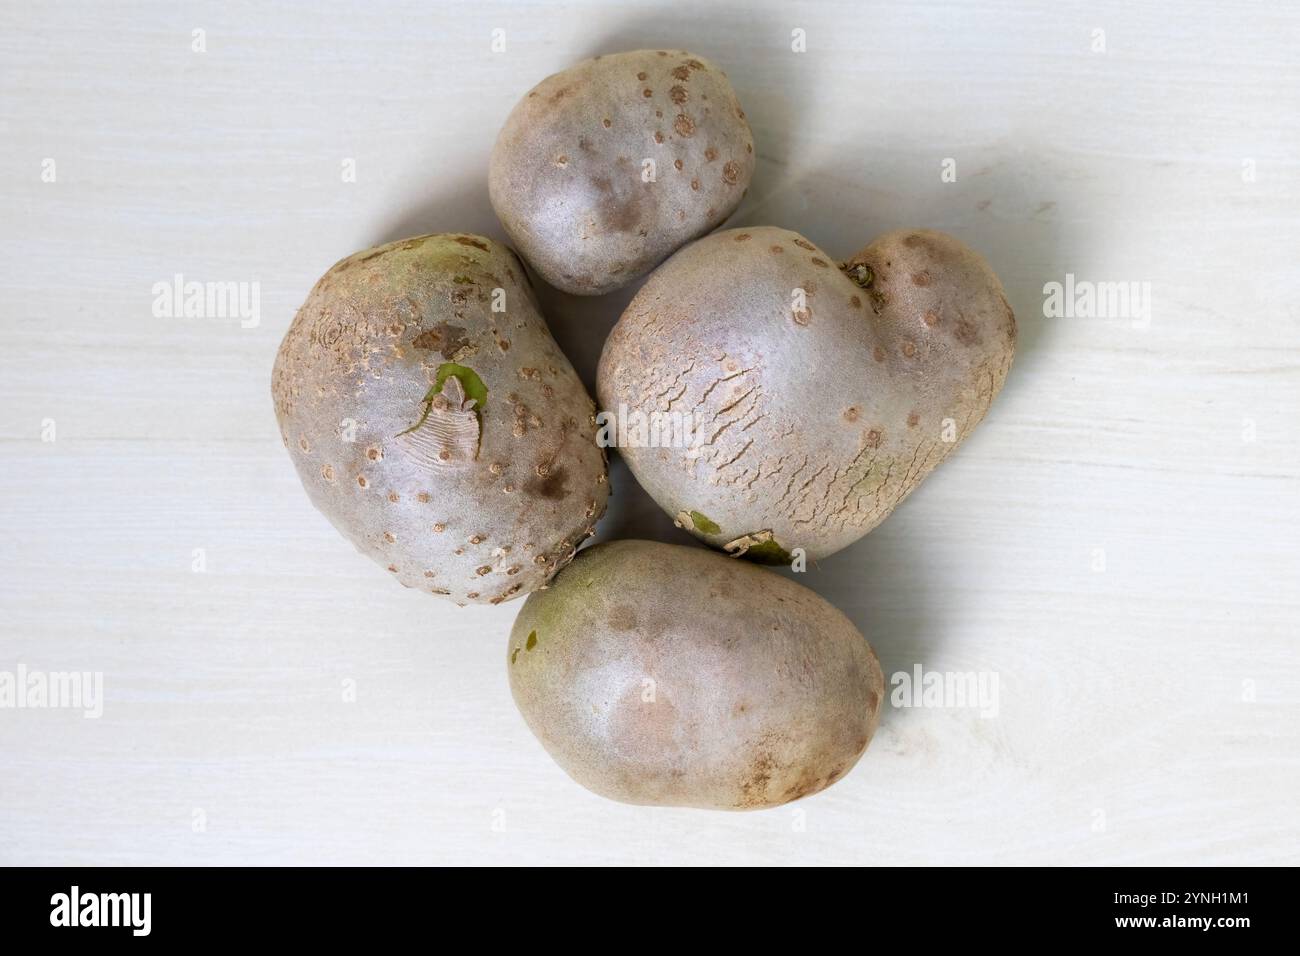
(566, 176)
(479, 499)
(816, 417)
(660, 674)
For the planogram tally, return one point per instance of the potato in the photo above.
(820, 395)
(661, 674)
(603, 170)
(434, 421)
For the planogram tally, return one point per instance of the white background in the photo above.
(1148, 711)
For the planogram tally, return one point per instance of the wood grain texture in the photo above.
(1148, 712)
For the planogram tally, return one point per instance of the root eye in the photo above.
(861, 274)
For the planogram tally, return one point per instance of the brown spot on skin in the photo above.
(642, 76)
(551, 486)
(440, 527)
(878, 354)
(623, 618)
(393, 568)
(695, 64)
(762, 765)
(909, 349)
(684, 125)
(361, 480)
(677, 163)
(328, 472)
(374, 453)
(777, 250)
(873, 438)
(606, 123)
(695, 184)
(485, 569)
(913, 420)
(618, 213)
(390, 537)
(921, 278)
(561, 161)
(446, 339)
(422, 497)
(914, 240)
(678, 95)
(744, 237)
(966, 332)
(647, 93)
(806, 784)
(931, 318)
(855, 302)
(659, 137)
(394, 497)
(820, 263)
(471, 241)
(851, 414)
(731, 172)
(805, 244)
(710, 154)
(682, 72)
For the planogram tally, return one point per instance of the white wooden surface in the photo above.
(1148, 712)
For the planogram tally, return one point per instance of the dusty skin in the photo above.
(825, 391)
(605, 169)
(451, 442)
(669, 675)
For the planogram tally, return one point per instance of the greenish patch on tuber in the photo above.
(470, 383)
(704, 524)
(768, 552)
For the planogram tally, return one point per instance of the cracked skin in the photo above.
(814, 422)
